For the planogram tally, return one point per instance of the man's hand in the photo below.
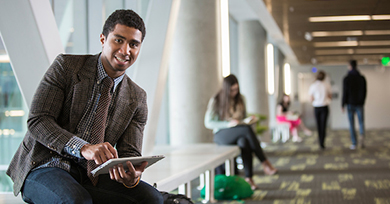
(130, 177)
(100, 153)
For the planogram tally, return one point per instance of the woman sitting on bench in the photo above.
(225, 114)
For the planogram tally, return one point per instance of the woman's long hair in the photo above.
(222, 100)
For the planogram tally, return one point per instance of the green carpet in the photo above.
(308, 175)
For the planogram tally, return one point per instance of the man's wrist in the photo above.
(134, 185)
(82, 149)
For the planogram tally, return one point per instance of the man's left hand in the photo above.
(130, 177)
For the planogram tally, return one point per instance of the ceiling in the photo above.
(369, 42)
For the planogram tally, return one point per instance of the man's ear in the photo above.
(102, 39)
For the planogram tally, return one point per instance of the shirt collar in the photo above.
(103, 74)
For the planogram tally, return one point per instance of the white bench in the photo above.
(183, 164)
(9, 198)
(180, 166)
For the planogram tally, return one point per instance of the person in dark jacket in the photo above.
(354, 96)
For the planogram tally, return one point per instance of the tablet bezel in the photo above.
(104, 168)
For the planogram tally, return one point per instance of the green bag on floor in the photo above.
(230, 188)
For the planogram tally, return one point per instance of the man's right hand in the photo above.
(100, 153)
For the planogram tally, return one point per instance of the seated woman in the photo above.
(224, 115)
(284, 115)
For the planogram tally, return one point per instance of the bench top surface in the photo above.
(185, 163)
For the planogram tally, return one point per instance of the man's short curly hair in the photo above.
(124, 17)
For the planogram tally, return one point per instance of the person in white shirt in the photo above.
(320, 95)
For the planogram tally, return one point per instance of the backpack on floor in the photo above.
(175, 198)
(230, 188)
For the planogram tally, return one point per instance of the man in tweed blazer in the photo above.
(50, 164)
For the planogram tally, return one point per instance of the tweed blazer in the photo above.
(58, 106)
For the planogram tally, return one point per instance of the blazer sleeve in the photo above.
(47, 105)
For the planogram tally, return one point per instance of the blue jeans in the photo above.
(359, 110)
(54, 185)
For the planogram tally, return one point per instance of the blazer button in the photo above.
(33, 163)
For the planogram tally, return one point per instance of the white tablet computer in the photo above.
(103, 169)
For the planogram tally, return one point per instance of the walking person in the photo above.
(354, 96)
(320, 95)
(224, 115)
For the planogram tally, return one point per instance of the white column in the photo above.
(195, 73)
(252, 75)
(32, 41)
(151, 70)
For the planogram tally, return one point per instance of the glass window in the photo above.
(71, 19)
(13, 117)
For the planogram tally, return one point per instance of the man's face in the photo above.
(120, 49)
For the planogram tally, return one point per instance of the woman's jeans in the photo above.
(359, 110)
(55, 185)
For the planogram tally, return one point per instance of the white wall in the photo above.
(378, 97)
(378, 94)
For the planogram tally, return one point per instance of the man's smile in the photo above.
(121, 60)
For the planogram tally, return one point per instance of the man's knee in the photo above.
(152, 195)
(39, 193)
(155, 198)
(53, 185)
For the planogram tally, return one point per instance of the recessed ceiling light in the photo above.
(371, 51)
(348, 18)
(352, 43)
(380, 17)
(351, 51)
(335, 52)
(337, 33)
(340, 18)
(336, 44)
(374, 43)
(349, 33)
(377, 32)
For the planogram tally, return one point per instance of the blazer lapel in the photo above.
(82, 90)
(124, 108)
